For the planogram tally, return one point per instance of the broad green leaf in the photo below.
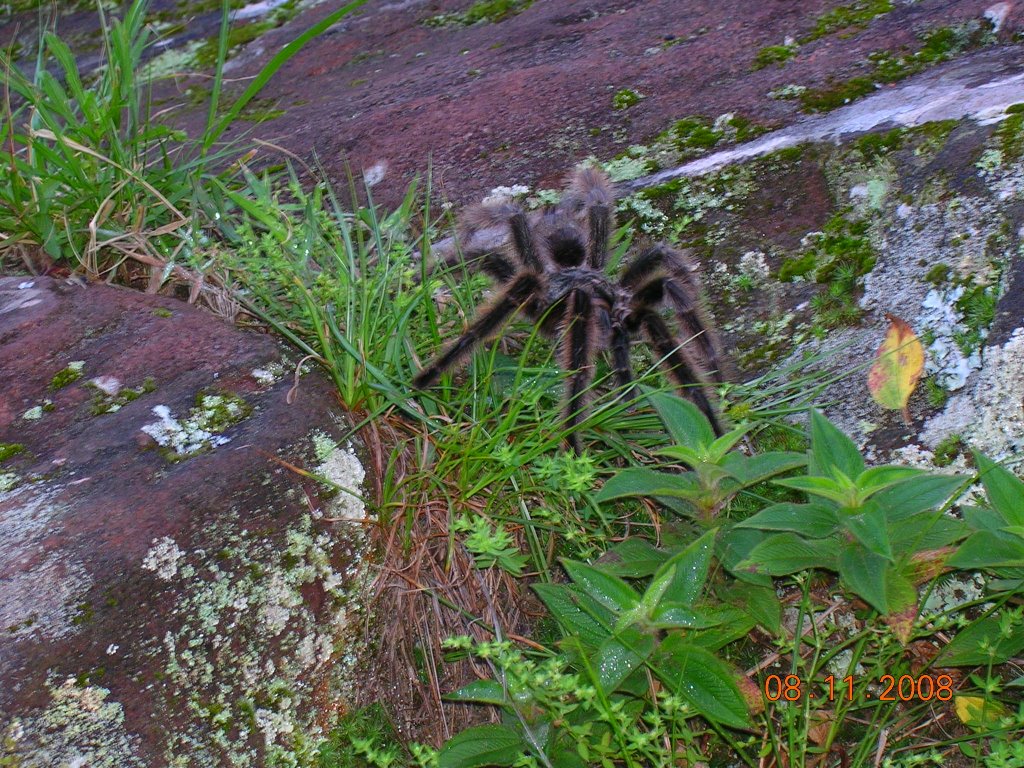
(897, 368)
(679, 616)
(682, 453)
(683, 420)
(832, 450)
(869, 528)
(1005, 492)
(633, 558)
(577, 614)
(814, 520)
(818, 486)
(689, 570)
(983, 518)
(980, 642)
(875, 479)
(610, 591)
(865, 574)
(734, 546)
(703, 680)
(481, 692)
(735, 625)
(641, 481)
(918, 494)
(786, 553)
(761, 603)
(900, 593)
(929, 530)
(989, 549)
(1016, 530)
(619, 656)
(725, 443)
(482, 745)
(749, 470)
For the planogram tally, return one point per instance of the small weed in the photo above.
(938, 275)
(938, 45)
(626, 98)
(480, 12)
(72, 373)
(856, 15)
(838, 258)
(7, 450)
(948, 449)
(774, 54)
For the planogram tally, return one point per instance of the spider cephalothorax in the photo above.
(553, 269)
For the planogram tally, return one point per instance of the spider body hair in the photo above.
(552, 269)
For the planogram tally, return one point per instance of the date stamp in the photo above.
(891, 688)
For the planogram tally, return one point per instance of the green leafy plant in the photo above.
(881, 528)
(716, 472)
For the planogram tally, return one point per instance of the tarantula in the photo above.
(554, 271)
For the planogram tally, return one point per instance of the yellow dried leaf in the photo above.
(976, 712)
(898, 367)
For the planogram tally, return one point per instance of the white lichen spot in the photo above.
(112, 649)
(988, 414)
(163, 557)
(342, 469)
(78, 727)
(182, 437)
(8, 480)
(754, 264)
(26, 285)
(500, 195)
(108, 385)
(268, 374)
(33, 414)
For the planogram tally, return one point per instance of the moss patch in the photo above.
(480, 12)
(72, 373)
(626, 98)
(938, 45)
(850, 17)
(7, 450)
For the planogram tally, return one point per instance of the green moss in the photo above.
(104, 403)
(947, 450)
(875, 145)
(936, 395)
(161, 312)
(480, 12)
(797, 266)
(838, 258)
(1010, 135)
(360, 733)
(938, 274)
(68, 375)
(626, 98)
(693, 133)
(825, 99)
(938, 45)
(845, 17)
(7, 450)
(977, 307)
(774, 54)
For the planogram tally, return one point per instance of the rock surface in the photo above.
(169, 593)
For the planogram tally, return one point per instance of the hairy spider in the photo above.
(554, 271)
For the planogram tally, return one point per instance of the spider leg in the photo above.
(619, 344)
(678, 363)
(679, 283)
(577, 345)
(590, 192)
(518, 293)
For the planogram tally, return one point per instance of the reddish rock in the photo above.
(157, 605)
(524, 99)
